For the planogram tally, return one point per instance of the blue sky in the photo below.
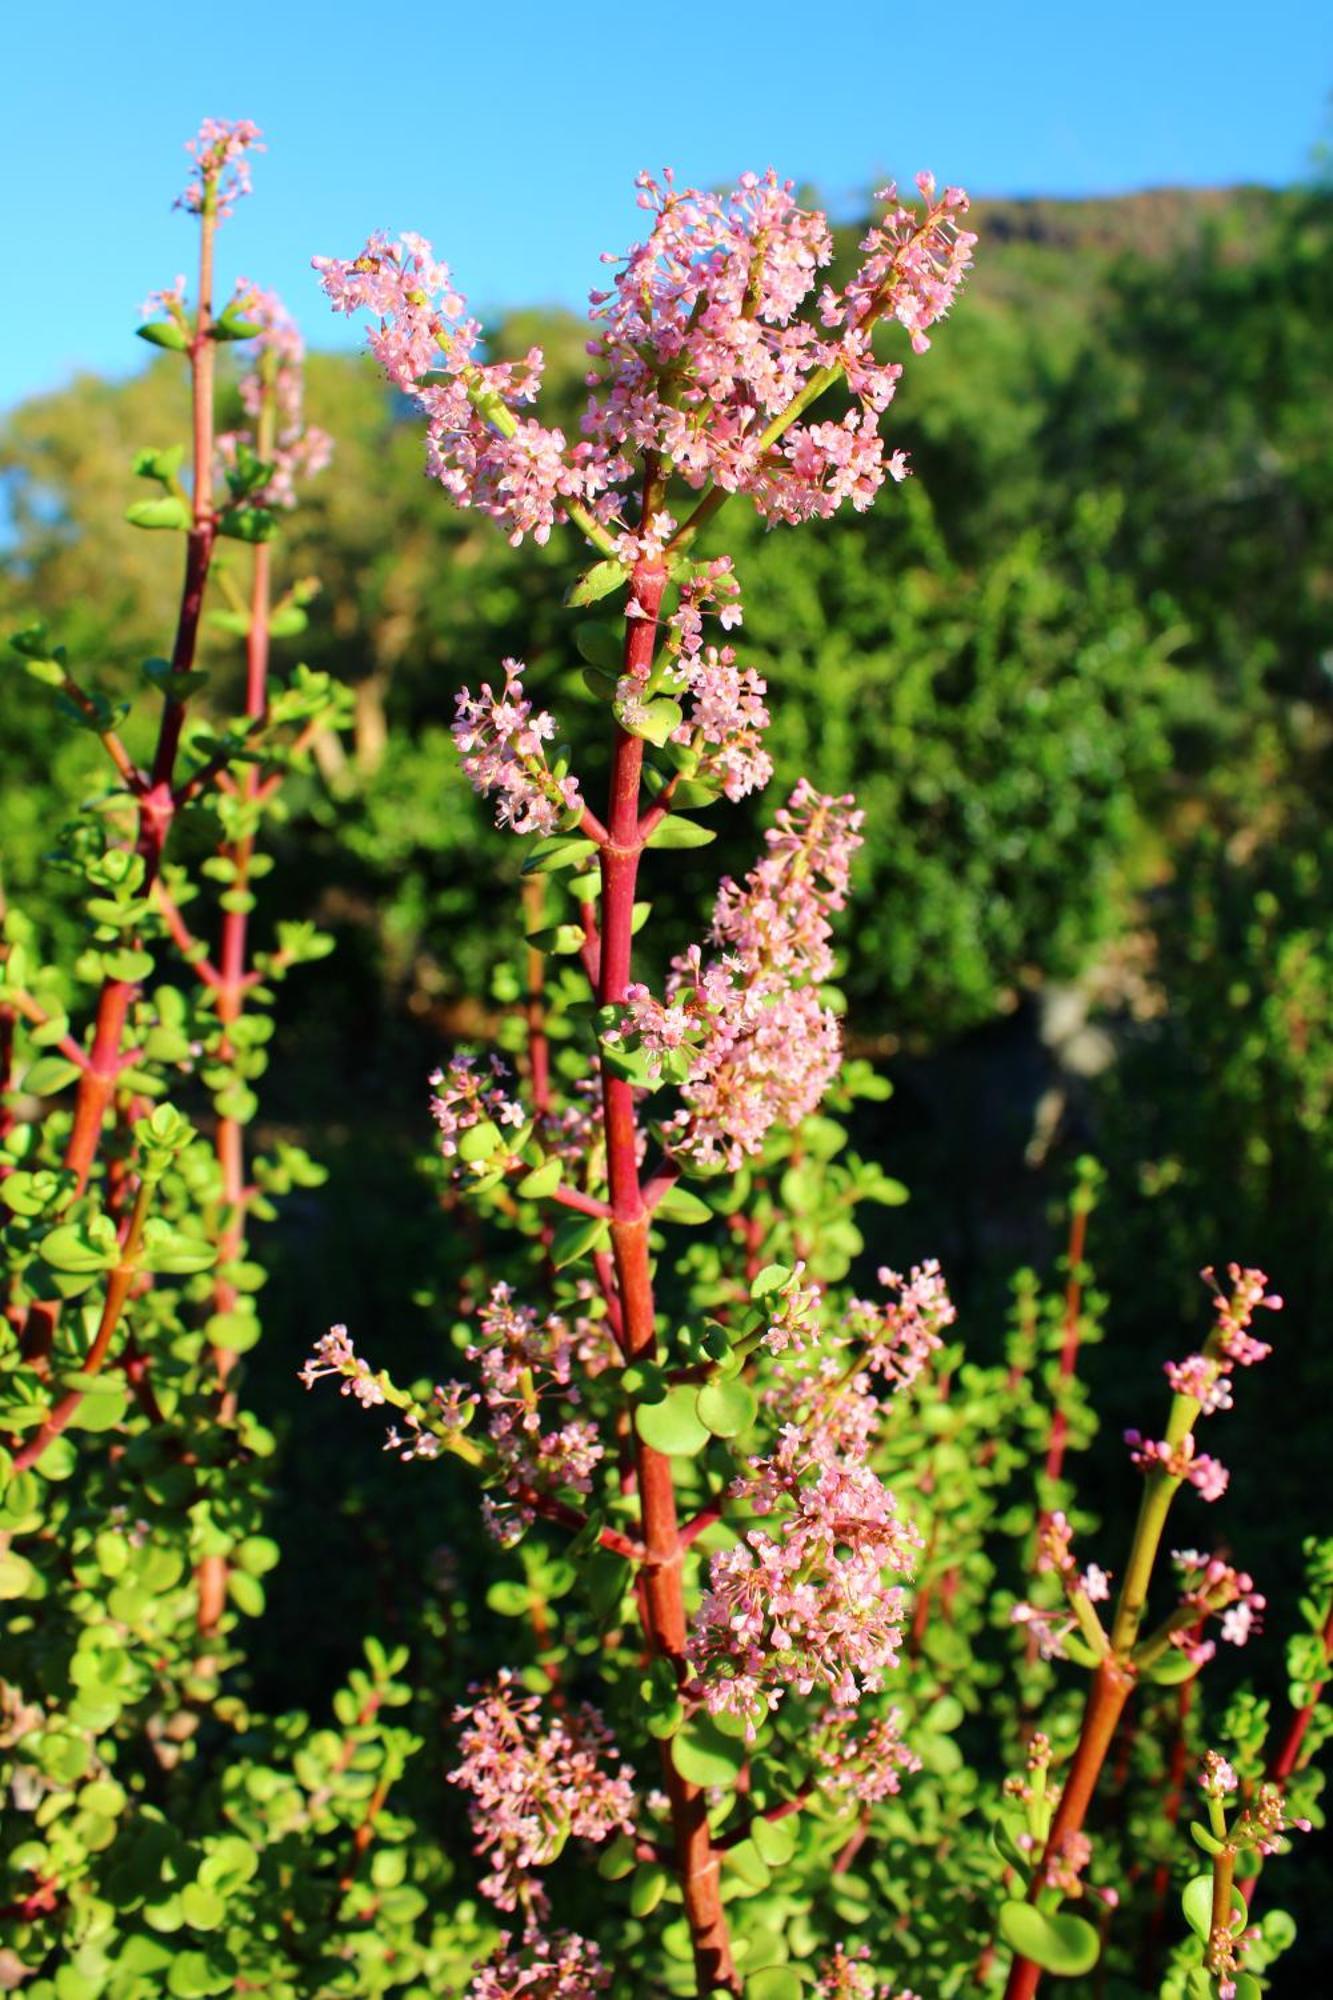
(509, 134)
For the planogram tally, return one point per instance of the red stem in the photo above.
(1287, 1757)
(661, 1595)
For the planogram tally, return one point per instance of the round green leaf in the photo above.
(648, 1888)
(704, 1756)
(673, 1425)
(745, 1860)
(202, 1908)
(1064, 1944)
(1197, 1903)
(543, 1180)
(726, 1408)
(16, 1573)
(775, 1839)
(479, 1141)
(775, 1982)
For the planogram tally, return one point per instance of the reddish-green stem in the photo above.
(119, 1281)
(156, 806)
(1115, 1678)
(1073, 1329)
(1111, 1687)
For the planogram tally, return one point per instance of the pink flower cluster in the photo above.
(701, 357)
(335, 1355)
(793, 1316)
(428, 1426)
(1249, 1294)
(1179, 1461)
(1052, 1626)
(806, 1604)
(900, 1336)
(221, 166)
(1266, 1822)
(466, 1095)
(526, 1363)
(299, 450)
(725, 722)
(1055, 1553)
(500, 741)
(1217, 1779)
(712, 589)
(847, 1975)
(838, 1412)
(483, 454)
(534, 1784)
(1209, 1585)
(563, 1966)
(763, 1049)
(913, 267)
(863, 1761)
(704, 359)
(1206, 1378)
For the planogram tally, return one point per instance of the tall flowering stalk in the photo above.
(127, 1299)
(711, 346)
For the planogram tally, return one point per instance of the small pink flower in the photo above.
(1095, 1583)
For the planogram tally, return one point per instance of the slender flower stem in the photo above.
(191, 948)
(230, 987)
(772, 1814)
(1287, 1757)
(1073, 1328)
(127, 770)
(661, 1595)
(539, 1045)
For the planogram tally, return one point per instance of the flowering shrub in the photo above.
(768, 1526)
